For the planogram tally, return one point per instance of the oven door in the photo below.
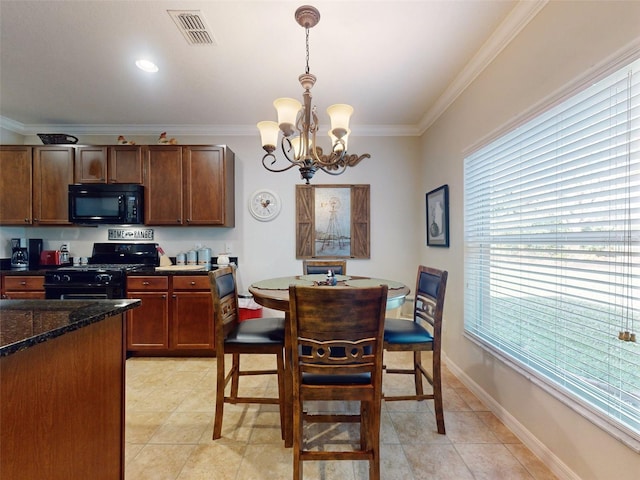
(82, 292)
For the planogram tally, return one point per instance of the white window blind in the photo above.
(552, 248)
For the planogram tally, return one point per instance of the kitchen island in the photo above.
(62, 379)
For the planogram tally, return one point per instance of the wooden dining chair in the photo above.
(336, 337)
(421, 333)
(338, 267)
(259, 336)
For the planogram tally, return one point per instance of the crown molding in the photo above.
(188, 130)
(510, 27)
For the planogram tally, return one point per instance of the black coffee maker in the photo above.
(19, 254)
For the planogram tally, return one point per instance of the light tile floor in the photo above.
(169, 421)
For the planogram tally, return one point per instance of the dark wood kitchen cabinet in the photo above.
(52, 174)
(148, 325)
(176, 316)
(22, 287)
(34, 183)
(62, 401)
(108, 164)
(191, 313)
(189, 185)
(15, 185)
(163, 185)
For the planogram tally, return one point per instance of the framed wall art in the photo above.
(438, 217)
(332, 221)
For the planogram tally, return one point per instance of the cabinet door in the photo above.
(10, 295)
(90, 164)
(192, 320)
(163, 185)
(204, 185)
(125, 164)
(15, 185)
(148, 325)
(52, 174)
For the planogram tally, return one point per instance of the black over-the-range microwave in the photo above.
(106, 203)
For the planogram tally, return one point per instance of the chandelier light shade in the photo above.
(297, 125)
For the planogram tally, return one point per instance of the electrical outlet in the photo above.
(227, 247)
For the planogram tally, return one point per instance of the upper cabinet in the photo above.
(114, 164)
(33, 185)
(52, 174)
(15, 185)
(189, 185)
(184, 185)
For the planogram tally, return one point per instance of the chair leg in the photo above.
(297, 438)
(282, 401)
(417, 374)
(220, 384)
(437, 396)
(235, 377)
(370, 436)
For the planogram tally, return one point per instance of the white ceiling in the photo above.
(398, 63)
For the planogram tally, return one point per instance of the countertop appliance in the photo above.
(50, 257)
(19, 254)
(35, 249)
(106, 203)
(105, 274)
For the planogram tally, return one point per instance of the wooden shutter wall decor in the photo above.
(307, 213)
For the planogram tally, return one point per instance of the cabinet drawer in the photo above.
(23, 283)
(191, 282)
(142, 283)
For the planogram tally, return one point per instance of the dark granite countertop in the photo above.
(25, 323)
(142, 271)
(38, 271)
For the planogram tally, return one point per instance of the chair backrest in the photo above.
(428, 306)
(224, 293)
(337, 331)
(338, 267)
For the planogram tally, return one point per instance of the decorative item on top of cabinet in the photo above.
(108, 164)
(189, 185)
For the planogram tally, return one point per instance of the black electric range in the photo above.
(105, 274)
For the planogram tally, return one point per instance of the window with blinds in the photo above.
(552, 247)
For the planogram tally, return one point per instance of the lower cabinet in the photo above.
(18, 287)
(175, 318)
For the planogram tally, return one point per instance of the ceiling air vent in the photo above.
(193, 26)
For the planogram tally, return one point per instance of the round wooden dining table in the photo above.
(274, 292)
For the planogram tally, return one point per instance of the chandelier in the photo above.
(298, 123)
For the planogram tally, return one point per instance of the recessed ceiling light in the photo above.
(147, 66)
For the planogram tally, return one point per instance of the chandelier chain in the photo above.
(307, 40)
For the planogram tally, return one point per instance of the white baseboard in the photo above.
(557, 466)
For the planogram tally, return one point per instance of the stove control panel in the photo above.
(60, 278)
(103, 277)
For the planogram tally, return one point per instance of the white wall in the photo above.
(565, 41)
